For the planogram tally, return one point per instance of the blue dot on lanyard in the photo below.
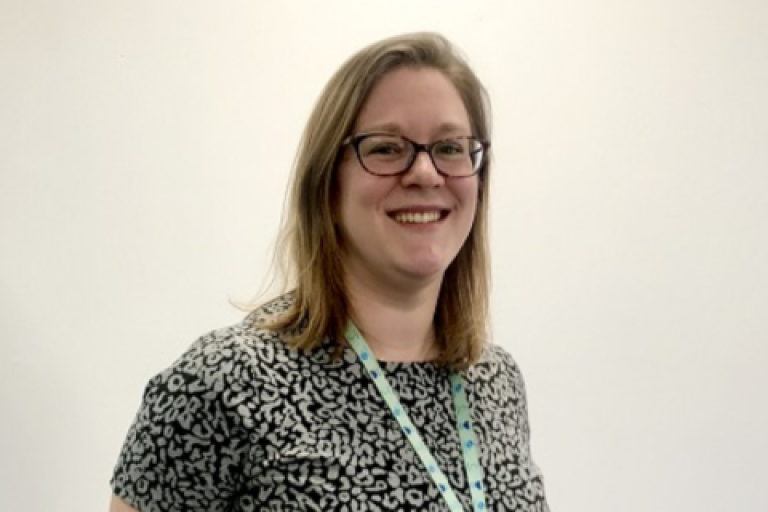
(364, 356)
(470, 444)
(478, 486)
(466, 425)
(398, 411)
(480, 505)
(407, 430)
(432, 469)
(458, 387)
(442, 488)
(375, 374)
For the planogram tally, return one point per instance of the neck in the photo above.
(398, 326)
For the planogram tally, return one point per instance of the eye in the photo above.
(450, 148)
(382, 147)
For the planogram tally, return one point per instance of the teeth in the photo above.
(417, 218)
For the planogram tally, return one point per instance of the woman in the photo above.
(369, 386)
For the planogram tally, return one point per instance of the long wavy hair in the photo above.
(309, 254)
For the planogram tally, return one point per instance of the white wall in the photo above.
(144, 150)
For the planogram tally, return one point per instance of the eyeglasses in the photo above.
(385, 154)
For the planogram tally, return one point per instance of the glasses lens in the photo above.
(458, 157)
(385, 154)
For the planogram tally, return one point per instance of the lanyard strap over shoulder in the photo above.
(469, 446)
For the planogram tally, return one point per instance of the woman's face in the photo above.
(382, 240)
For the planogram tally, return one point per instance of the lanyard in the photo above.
(469, 446)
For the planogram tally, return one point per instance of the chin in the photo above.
(424, 270)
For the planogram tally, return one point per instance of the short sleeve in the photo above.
(530, 493)
(535, 490)
(184, 451)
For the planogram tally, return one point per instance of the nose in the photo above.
(423, 172)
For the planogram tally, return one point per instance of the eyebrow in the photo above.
(442, 129)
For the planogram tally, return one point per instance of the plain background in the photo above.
(144, 152)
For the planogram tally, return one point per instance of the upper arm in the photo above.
(118, 505)
(186, 445)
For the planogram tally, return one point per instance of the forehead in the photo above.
(417, 102)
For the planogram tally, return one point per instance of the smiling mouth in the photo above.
(419, 217)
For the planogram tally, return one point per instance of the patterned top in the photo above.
(243, 423)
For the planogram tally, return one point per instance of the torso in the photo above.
(316, 435)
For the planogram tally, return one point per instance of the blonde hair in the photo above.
(309, 252)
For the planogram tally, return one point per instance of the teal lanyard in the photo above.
(469, 446)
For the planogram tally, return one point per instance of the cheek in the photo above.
(359, 194)
(467, 192)
(468, 196)
(367, 193)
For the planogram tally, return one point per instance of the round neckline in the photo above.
(425, 364)
(423, 368)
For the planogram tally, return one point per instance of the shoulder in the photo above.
(232, 356)
(268, 311)
(495, 359)
(497, 371)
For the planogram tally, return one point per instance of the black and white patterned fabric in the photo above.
(242, 423)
